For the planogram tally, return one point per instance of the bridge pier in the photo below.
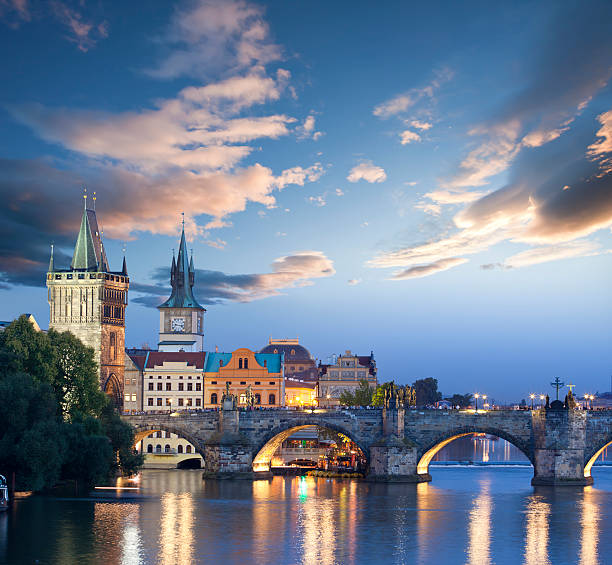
(228, 454)
(393, 458)
(559, 440)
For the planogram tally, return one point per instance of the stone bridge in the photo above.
(399, 444)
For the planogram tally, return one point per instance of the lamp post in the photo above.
(532, 396)
(542, 398)
(484, 401)
(476, 396)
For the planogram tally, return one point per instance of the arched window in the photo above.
(213, 398)
(159, 434)
(150, 448)
(167, 449)
(240, 363)
(180, 448)
(188, 449)
(158, 448)
(246, 363)
(265, 363)
(258, 399)
(272, 399)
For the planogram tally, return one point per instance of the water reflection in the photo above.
(536, 532)
(176, 532)
(589, 527)
(479, 528)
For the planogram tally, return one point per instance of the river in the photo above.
(477, 515)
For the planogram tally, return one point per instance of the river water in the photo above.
(476, 515)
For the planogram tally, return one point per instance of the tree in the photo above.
(461, 400)
(76, 376)
(121, 436)
(378, 398)
(31, 445)
(362, 395)
(426, 391)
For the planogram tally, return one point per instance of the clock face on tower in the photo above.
(178, 324)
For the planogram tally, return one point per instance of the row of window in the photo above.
(181, 386)
(214, 399)
(168, 449)
(181, 402)
(180, 377)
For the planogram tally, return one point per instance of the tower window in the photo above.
(240, 363)
(113, 346)
(246, 363)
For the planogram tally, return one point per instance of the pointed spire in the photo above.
(182, 278)
(124, 268)
(51, 260)
(89, 254)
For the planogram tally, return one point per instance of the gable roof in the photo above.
(193, 359)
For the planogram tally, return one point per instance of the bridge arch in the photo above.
(141, 431)
(593, 455)
(266, 447)
(429, 450)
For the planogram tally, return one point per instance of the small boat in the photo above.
(4, 499)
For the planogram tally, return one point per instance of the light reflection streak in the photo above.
(479, 530)
(536, 534)
(176, 534)
(318, 530)
(117, 532)
(589, 527)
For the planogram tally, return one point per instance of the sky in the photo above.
(431, 182)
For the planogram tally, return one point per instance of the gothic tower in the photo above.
(181, 318)
(89, 300)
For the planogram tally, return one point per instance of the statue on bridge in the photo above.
(396, 396)
(228, 400)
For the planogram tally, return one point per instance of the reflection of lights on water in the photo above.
(302, 488)
(318, 530)
(479, 531)
(536, 535)
(176, 535)
(589, 528)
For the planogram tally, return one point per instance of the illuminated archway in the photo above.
(431, 450)
(591, 461)
(144, 431)
(267, 448)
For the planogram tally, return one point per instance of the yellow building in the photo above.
(345, 375)
(263, 372)
(300, 392)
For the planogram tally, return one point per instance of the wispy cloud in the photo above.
(408, 136)
(403, 102)
(208, 35)
(353, 282)
(426, 270)
(83, 32)
(367, 171)
(317, 200)
(307, 129)
(548, 253)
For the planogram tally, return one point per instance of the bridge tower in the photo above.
(89, 300)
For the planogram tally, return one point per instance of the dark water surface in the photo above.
(474, 515)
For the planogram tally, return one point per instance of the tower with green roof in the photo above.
(181, 317)
(89, 300)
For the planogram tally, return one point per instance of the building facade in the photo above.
(244, 370)
(172, 381)
(89, 300)
(345, 374)
(181, 318)
(300, 393)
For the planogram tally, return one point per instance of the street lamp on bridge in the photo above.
(476, 396)
(532, 396)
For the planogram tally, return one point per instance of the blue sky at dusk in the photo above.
(430, 182)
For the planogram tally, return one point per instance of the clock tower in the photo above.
(181, 318)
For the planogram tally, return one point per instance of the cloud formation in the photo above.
(426, 270)
(214, 287)
(206, 36)
(368, 172)
(556, 154)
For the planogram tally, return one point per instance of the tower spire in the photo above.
(51, 260)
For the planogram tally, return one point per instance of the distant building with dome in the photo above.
(298, 360)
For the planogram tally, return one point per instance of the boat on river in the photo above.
(3, 494)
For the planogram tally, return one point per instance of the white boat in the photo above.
(4, 498)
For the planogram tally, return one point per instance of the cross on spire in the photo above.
(557, 383)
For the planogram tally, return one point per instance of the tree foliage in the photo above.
(427, 391)
(55, 423)
(461, 400)
(361, 396)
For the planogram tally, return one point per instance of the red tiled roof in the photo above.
(139, 360)
(157, 358)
